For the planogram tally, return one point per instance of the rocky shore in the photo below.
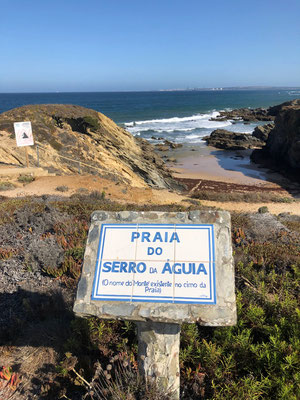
(253, 114)
(278, 142)
(227, 140)
(245, 114)
(282, 148)
(47, 352)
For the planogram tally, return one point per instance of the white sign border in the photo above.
(154, 299)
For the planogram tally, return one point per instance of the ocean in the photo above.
(179, 116)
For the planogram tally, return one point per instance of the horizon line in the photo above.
(216, 89)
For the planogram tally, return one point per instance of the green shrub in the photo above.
(263, 210)
(256, 359)
(91, 123)
(6, 186)
(82, 190)
(26, 178)
(95, 195)
(62, 188)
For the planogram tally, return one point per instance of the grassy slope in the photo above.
(256, 359)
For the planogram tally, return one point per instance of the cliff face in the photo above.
(86, 136)
(283, 143)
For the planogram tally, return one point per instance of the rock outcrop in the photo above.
(246, 114)
(167, 145)
(227, 140)
(252, 114)
(275, 110)
(85, 136)
(261, 132)
(283, 144)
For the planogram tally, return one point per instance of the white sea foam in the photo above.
(294, 92)
(174, 119)
(176, 124)
(190, 129)
(189, 137)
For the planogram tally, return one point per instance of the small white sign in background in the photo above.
(23, 132)
(156, 263)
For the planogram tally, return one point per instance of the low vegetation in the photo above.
(96, 359)
(91, 123)
(62, 188)
(248, 197)
(26, 178)
(6, 186)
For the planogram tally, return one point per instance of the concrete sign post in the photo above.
(24, 137)
(159, 269)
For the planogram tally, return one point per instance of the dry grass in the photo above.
(248, 197)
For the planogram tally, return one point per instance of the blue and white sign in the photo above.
(165, 263)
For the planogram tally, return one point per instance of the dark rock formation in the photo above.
(227, 140)
(252, 114)
(261, 132)
(283, 143)
(246, 114)
(167, 145)
(172, 144)
(275, 110)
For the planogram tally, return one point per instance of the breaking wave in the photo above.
(176, 124)
(190, 129)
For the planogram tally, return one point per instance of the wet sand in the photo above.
(204, 162)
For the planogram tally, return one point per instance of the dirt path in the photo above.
(122, 193)
(274, 208)
(71, 184)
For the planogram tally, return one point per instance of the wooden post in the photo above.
(27, 159)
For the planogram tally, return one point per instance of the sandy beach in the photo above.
(204, 162)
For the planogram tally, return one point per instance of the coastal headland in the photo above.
(85, 162)
(82, 149)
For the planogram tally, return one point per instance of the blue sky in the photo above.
(103, 45)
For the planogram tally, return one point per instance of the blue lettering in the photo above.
(132, 266)
(167, 268)
(106, 266)
(141, 267)
(174, 237)
(174, 268)
(150, 251)
(134, 236)
(201, 268)
(158, 251)
(190, 270)
(145, 236)
(123, 266)
(115, 266)
(158, 237)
